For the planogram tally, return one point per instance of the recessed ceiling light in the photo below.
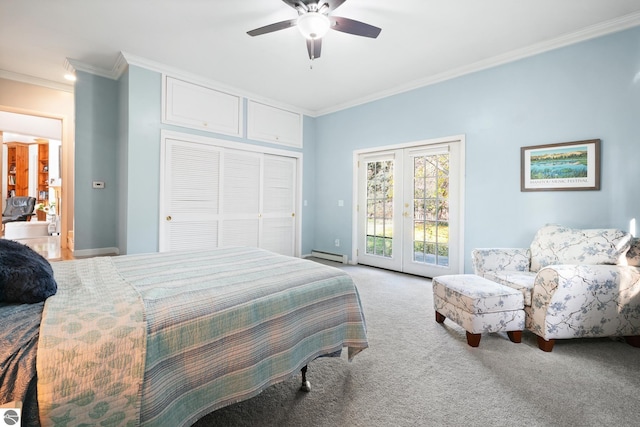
(70, 77)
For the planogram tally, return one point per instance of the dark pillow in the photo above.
(25, 275)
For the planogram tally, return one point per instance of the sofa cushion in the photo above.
(555, 244)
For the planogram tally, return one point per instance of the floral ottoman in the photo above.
(479, 305)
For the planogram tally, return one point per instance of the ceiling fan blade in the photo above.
(313, 47)
(354, 27)
(273, 27)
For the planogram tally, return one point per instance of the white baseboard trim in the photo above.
(329, 256)
(95, 252)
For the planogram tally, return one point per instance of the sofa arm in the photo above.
(499, 259)
(570, 301)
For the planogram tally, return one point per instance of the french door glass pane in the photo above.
(431, 209)
(380, 208)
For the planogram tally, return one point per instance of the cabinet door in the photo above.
(22, 170)
(189, 197)
(272, 124)
(199, 107)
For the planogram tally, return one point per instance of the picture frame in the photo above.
(566, 166)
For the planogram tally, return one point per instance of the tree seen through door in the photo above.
(431, 209)
(380, 208)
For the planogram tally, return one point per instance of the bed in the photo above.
(163, 339)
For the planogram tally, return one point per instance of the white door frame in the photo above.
(457, 139)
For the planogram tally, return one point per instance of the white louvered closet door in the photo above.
(278, 204)
(240, 198)
(216, 196)
(190, 196)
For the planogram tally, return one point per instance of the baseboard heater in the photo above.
(331, 257)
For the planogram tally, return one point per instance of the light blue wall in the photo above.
(123, 145)
(96, 146)
(309, 207)
(139, 162)
(143, 160)
(585, 91)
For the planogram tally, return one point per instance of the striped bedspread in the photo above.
(225, 324)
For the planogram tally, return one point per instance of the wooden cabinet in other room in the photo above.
(18, 170)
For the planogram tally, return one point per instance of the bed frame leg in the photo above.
(306, 385)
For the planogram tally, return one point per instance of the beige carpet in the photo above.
(421, 373)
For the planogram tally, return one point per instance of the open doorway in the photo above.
(31, 167)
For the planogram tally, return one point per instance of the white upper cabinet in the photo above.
(200, 107)
(272, 124)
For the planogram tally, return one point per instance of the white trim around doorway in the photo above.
(460, 139)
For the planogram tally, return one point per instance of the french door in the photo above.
(410, 208)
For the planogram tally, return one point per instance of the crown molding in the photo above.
(179, 73)
(125, 59)
(195, 78)
(601, 29)
(114, 73)
(25, 78)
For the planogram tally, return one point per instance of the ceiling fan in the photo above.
(314, 21)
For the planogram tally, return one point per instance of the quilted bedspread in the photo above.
(91, 350)
(217, 327)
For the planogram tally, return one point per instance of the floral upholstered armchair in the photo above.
(576, 283)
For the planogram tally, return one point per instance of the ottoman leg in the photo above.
(473, 339)
(545, 345)
(633, 340)
(439, 317)
(515, 336)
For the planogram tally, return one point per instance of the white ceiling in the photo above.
(422, 41)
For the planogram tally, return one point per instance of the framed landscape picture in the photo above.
(565, 166)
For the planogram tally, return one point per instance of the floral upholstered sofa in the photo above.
(576, 283)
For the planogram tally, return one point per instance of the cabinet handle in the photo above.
(168, 217)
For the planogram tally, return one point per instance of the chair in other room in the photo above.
(19, 208)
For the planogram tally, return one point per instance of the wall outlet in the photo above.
(337, 242)
(98, 184)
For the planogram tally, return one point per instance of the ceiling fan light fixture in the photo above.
(313, 25)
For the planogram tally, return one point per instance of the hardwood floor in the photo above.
(48, 247)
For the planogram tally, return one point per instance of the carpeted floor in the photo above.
(417, 372)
